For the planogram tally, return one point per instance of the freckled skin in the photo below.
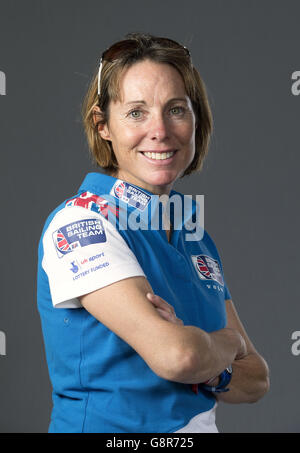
(161, 122)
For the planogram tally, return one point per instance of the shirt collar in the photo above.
(139, 199)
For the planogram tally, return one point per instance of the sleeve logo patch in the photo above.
(130, 194)
(78, 234)
(208, 268)
(94, 203)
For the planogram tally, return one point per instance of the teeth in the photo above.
(159, 156)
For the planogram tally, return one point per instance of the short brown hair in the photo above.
(160, 50)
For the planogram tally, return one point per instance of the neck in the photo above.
(154, 189)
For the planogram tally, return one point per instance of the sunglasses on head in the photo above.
(119, 48)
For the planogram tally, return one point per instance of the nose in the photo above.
(158, 128)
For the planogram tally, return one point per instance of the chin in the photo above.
(163, 179)
(161, 182)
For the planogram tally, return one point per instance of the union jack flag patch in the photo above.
(208, 268)
(94, 203)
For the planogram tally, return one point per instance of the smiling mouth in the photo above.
(158, 155)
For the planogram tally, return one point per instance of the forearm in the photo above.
(206, 355)
(249, 382)
(209, 353)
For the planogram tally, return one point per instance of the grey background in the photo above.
(246, 52)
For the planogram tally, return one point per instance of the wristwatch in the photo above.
(224, 379)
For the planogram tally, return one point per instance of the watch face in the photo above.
(229, 369)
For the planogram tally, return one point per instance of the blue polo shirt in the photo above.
(108, 231)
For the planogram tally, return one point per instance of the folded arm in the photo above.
(250, 377)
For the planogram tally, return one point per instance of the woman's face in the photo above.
(152, 127)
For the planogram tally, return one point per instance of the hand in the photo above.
(241, 344)
(242, 352)
(165, 310)
(213, 382)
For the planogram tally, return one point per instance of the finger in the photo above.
(164, 314)
(169, 316)
(159, 302)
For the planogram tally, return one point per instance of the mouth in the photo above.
(158, 155)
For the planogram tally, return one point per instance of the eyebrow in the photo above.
(144, 102)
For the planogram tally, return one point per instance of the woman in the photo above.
(113, 273)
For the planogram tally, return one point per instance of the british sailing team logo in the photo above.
(130, 194)
(208, 268)
(78, 234)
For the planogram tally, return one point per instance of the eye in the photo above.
(135, 114)
(177, 110)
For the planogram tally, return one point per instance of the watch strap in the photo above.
(225, 378)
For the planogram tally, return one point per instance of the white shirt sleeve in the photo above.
(84, 252)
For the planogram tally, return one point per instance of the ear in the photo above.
(102, 128)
